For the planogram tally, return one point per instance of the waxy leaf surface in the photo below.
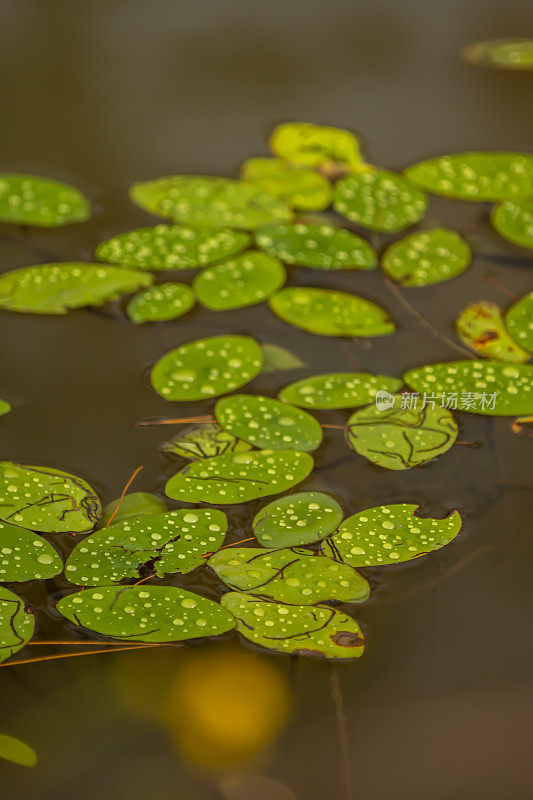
(338, 390)
(136, 504)
(513, 220)
(427, 257)
(312, 145)
(519, 321)
(204, 441)
(162, 302)
(32, 200)
(481, 327)
(296, 186)
(301, 518)
(244, 281)
(16, 624)
(380, 200)
(24, 556)
(318, 246)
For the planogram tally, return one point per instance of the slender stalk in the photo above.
(180, 421)
(121, 498)
(500, 286)
(74, 655)
(342, 733)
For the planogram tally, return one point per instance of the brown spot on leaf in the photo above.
(347, 639)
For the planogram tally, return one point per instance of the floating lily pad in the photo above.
(164, 247)
(4, 407)
(264, 422)
(389, 534)
(475, 176)
(338, 390)
(207, 367)
(146, 613)
(244, 281)
(162, 302)
(25, 556)
(318, 246)
(380, 200)
(208, 201)
(46, 499)
(301, 518)
(136, 504)
(172, 542)
(278, 358)
(204, 441)
(289, 575)
(399, 437)
(427, 257)
(32, 200)
(239, 477)
(302, 630)
(481, 387)
(55, 288)
(330, 313)
(501, 53)
(481, 327)
(16, 624)
(513, 220)
(519, 321)
(17, 752)
(315, 145)
(298, 187)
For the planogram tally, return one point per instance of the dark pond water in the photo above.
(105, 93)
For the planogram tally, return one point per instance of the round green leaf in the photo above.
(330, 313)
(278, 358)
(380, 200)
(481, 327)
(201, 200)
(32, 200)
(338, 390)
(4, 407)
(389, 534)
(25, 556)
(475, 176)
(55, 288)
(314, 145)
(427, 257)
(401, 436)
(207, 367)
(301, 630)
(17, 752)
(513, 220)
(239, 477)
(301, 518)
(299, 188)
(16, 624)
(204, 441)
(162, 302)
(501, 53)
(519, 321)
(136, 504)
(318, 246)
(146, 613)
(267, 423)
(244, 281)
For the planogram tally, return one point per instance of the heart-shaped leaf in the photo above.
(278, 358)
(380, 200)
(17, 752)
(204, 441)
(301, 518)
(32, 200)
(315, 145)
(162, 302)
(298, 187)
(519, 321)
(16, 624)
(338, 390)
(427, 257)
(501, 53)
(136, 504)
(244, 281)
(513, 219)
(25, 556)
(318, 246)
(481, 327)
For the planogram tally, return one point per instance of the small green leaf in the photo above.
(17, 752)
(380, 200)
(16, 624)
(481, 327)
(239, 477)
(267, 423)
(315, 145)
(338, 390)
(301, 630)
(278, 358)
(389, 534)
(204, 441)
(400, 436)
(299, 188)
(162, 302)
(146, 613)
(519, 321)
(330, 313)
(136, 504)
(32, 200)
(317, 246)
(244, 281)
(56, 288)
(513, 219)
(4, 407)
(501, 53)
(427, 257)
(301, 518)
(25, 556)
(207, 367)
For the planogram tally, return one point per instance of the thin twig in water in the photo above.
(121, 498)
(74, 655)
(500, 286)
(181, 421)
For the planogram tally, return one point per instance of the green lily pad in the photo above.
(46, 499)
(278, 358)
(32, 200)
(4, 407)
(146, 613)
(267, 423)
(208, 201)
(501, 53)
(136, 504)
(172, 542)
(480, 387)
(519, 321)
(295, 186)
(239, 477)
(204, 441)
(301, 630)
(479, 177)
(427, 257)
(16, 624)
(317, 246)
(244, 281)
(25, 556)
(338, 390)
(56, 288)
(389, 534)
(301, 518)
(162, 302)
(481, 327)
(330, 313)
(289, 575)
(380, 200)
(401, 436)
(207, 367)
(16, 751)
(310, 145)
(513, 219)
(164, 247)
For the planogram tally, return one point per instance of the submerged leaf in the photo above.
(427, 257)
(162, 302)
(513, 220)
(16, 624)
(481, 327)
(207, 367)
(380, 200)
(338, 390)
(278, 358)
(204, 441)
(4, 407)
(244, 281)
(315, 145)
(32, 200)
(25, 556)
(16, 751)
(318, 246)
(501, 53)
(298, 187)
(301, 518)
(136, 504)
(519, 321)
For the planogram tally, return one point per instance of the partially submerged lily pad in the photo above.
(312, 145)
(338, 390)
(4, 407)
(482, 329)
(318, 246)
(389, 534)
(136, 504)
(244, 281)
(380, 200)
(146, 613)
(25, 556)
(501, 53)
(298, 187)
(204, 441)
(513, 219)
(330, 313)
(519, 321)
(56, 288)
(302, 630)
(162, 302)
(239, 477)
(16, 624)
(207, 367)
(33, 200)
(16, 751)
(301, 518)
(427, 257)
(278, 358)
